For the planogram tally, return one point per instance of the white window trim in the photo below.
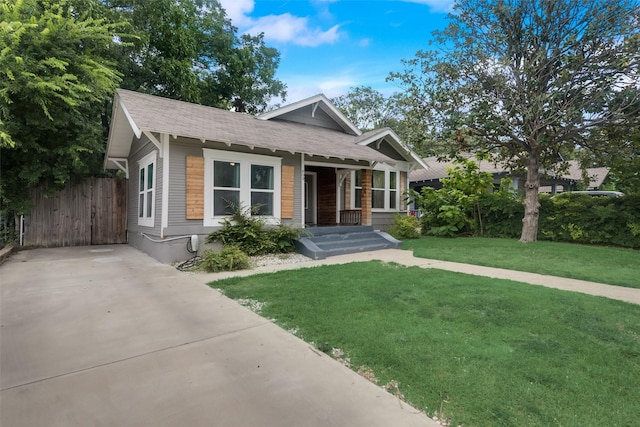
(387, 190)
(245, 160)
(143, 163)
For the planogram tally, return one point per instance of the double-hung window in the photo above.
(262, 188)
(226, 187)
(235, 180)
(378, 189)
(393, 190)
(384, 190)
(146, 190)
(357, 199)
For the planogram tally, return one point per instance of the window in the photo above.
(226, 187)
(262, 188)
(384, 190)
(238, 179)
(146, 190)
(358, 190)
(377, 189)
(393, 190)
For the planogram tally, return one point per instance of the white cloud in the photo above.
(288, 28)
(237, 10)
(436, 5)
(284, 28)
(301, 87)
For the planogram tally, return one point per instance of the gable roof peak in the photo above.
(315, 101)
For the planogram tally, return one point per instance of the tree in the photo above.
(188, 50)
(54, 83)
(369, 109)
(527, 82)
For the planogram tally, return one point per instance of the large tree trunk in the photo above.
(531, 203)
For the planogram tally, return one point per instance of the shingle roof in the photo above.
(438, 170)
(155, 114)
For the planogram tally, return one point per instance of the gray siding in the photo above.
(382, 220)
(303, 116)
(388, 150)
(180, 149)
(139, 149)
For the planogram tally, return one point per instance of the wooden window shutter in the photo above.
(287, 191)
(195, 187)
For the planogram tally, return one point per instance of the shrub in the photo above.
(502, 212)
(230, 258)
(248, 232)
(592, 220)
(457, 208)
(405, 227)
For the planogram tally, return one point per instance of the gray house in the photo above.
(305, 164)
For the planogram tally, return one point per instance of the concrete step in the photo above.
(329, 241)
(368, 239)
(340, 229)
(355, 249)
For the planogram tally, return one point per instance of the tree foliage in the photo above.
(527, 82)
(54, 83)
(455, 208)
(189, 50)
(61, 61)
(367, 108)
(370, 109)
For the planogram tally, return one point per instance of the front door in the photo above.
(310, 198)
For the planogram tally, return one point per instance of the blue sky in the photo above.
(328, 46)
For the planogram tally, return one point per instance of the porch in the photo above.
(328, 195)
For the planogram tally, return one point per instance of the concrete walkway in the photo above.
(402, 257)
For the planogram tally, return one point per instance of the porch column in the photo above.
(366, 197)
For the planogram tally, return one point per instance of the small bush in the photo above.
(405, 227)
(230, 258)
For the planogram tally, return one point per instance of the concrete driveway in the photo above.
(107, 336)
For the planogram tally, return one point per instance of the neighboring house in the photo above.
(304, 164)
(548, 184)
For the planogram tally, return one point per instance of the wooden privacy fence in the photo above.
(93, 212)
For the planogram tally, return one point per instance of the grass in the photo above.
(474, 350)
(614, 266)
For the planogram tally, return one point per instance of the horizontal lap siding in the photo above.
(183, 148)
(382, 220)
(143, 148)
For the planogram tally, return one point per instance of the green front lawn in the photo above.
(478, 351)
(615, 266)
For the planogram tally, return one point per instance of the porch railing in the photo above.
(351, 217)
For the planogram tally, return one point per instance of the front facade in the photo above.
(304, 164)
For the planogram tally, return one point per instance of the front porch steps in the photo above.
(323, 242)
